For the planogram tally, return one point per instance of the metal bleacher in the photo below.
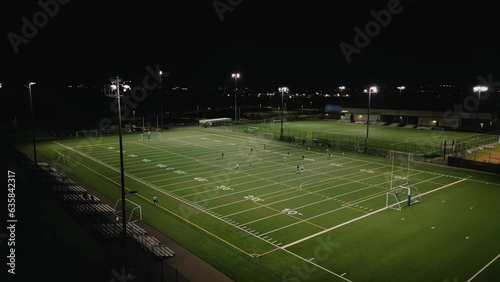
(153, 247)
(104, 219)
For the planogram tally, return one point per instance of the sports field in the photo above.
(264, 210)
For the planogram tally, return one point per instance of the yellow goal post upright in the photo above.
(399, 183)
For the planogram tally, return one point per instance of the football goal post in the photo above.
(402, 196)
(135, 213)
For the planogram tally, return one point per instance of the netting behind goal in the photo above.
(400, 168)
(402, 196)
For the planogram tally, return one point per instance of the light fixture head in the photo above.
(480, 88)
(283, 89)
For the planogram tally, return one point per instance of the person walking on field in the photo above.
(155, 200)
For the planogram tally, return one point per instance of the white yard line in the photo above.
(481, 270)
(317, 265)
(363, 216)
(194, 206)
(298, 196)
(325, 213)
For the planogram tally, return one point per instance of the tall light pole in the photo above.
(341, 89)
(370, 90)
(161, 100)
(479, 89)
(401, 88)
(283, 90)
(113, 91)
(33, 125)
(133, 113)
(235, 76)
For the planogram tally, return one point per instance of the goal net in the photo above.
(135, 213)
(436, 129)
(143, 136)
(400, 168)
(402, 196)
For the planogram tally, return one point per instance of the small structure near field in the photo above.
(215, 122)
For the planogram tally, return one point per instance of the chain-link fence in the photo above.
(428, 150)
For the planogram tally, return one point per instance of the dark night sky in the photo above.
(295, 42)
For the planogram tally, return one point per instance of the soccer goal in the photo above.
(400, 168)
(402, 196)
(135, 213)
(436, 129)
(58, 158)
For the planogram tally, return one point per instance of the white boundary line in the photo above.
(363, 216)
(481, 270)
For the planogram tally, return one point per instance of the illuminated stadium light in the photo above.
(235, 76)
(372, 89)
(401, 88)
(479, 89)
(113, 91)
(33, 126)
(283, 90)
